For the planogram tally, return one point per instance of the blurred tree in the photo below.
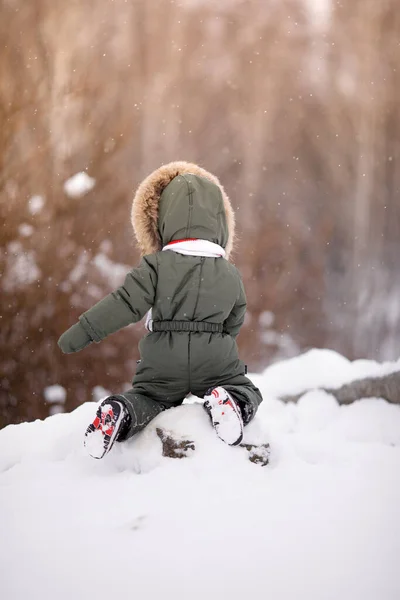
(295, 108)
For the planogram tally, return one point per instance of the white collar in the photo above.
(194, 247)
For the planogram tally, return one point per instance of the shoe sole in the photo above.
(221, 425)
(94, 440)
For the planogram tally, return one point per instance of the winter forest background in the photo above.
(293, 104)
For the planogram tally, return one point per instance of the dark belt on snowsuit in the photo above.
(195, 326)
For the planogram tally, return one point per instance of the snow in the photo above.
(321, 368)
(25, 230)
(35, 204)
(78, 185)
(320, 522)
(114, 272)
(99, 393)
(94, 444)
(266, 318)
(21, 269)
(55, 393)
(80, 268)
(319, 12)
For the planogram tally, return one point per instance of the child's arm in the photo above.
(128, 304)
(235, 320)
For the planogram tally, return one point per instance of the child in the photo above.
(195, 304)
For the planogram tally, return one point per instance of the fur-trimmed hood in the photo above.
(156, 215)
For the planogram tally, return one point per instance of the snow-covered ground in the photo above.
(321, 522)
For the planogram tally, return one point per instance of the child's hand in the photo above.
(74, 339)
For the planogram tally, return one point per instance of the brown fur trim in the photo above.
(144, 214)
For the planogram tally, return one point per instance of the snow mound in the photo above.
(321, 521)
(319, 368)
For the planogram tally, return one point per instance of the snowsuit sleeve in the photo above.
(235, 320)
(127, 304)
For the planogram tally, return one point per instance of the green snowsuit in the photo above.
(198, 305)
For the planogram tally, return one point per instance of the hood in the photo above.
(181, 200)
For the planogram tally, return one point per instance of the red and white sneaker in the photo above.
(225, 415)
(102, 433)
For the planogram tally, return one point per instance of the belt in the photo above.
(194, 326)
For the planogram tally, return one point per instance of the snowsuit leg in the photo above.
(151, 393)
(141, 409)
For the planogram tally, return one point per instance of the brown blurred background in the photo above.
(293, 104)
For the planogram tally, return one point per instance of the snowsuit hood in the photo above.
(181, 200)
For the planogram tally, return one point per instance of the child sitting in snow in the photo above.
(195, 302)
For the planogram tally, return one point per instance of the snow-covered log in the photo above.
(386, 387)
